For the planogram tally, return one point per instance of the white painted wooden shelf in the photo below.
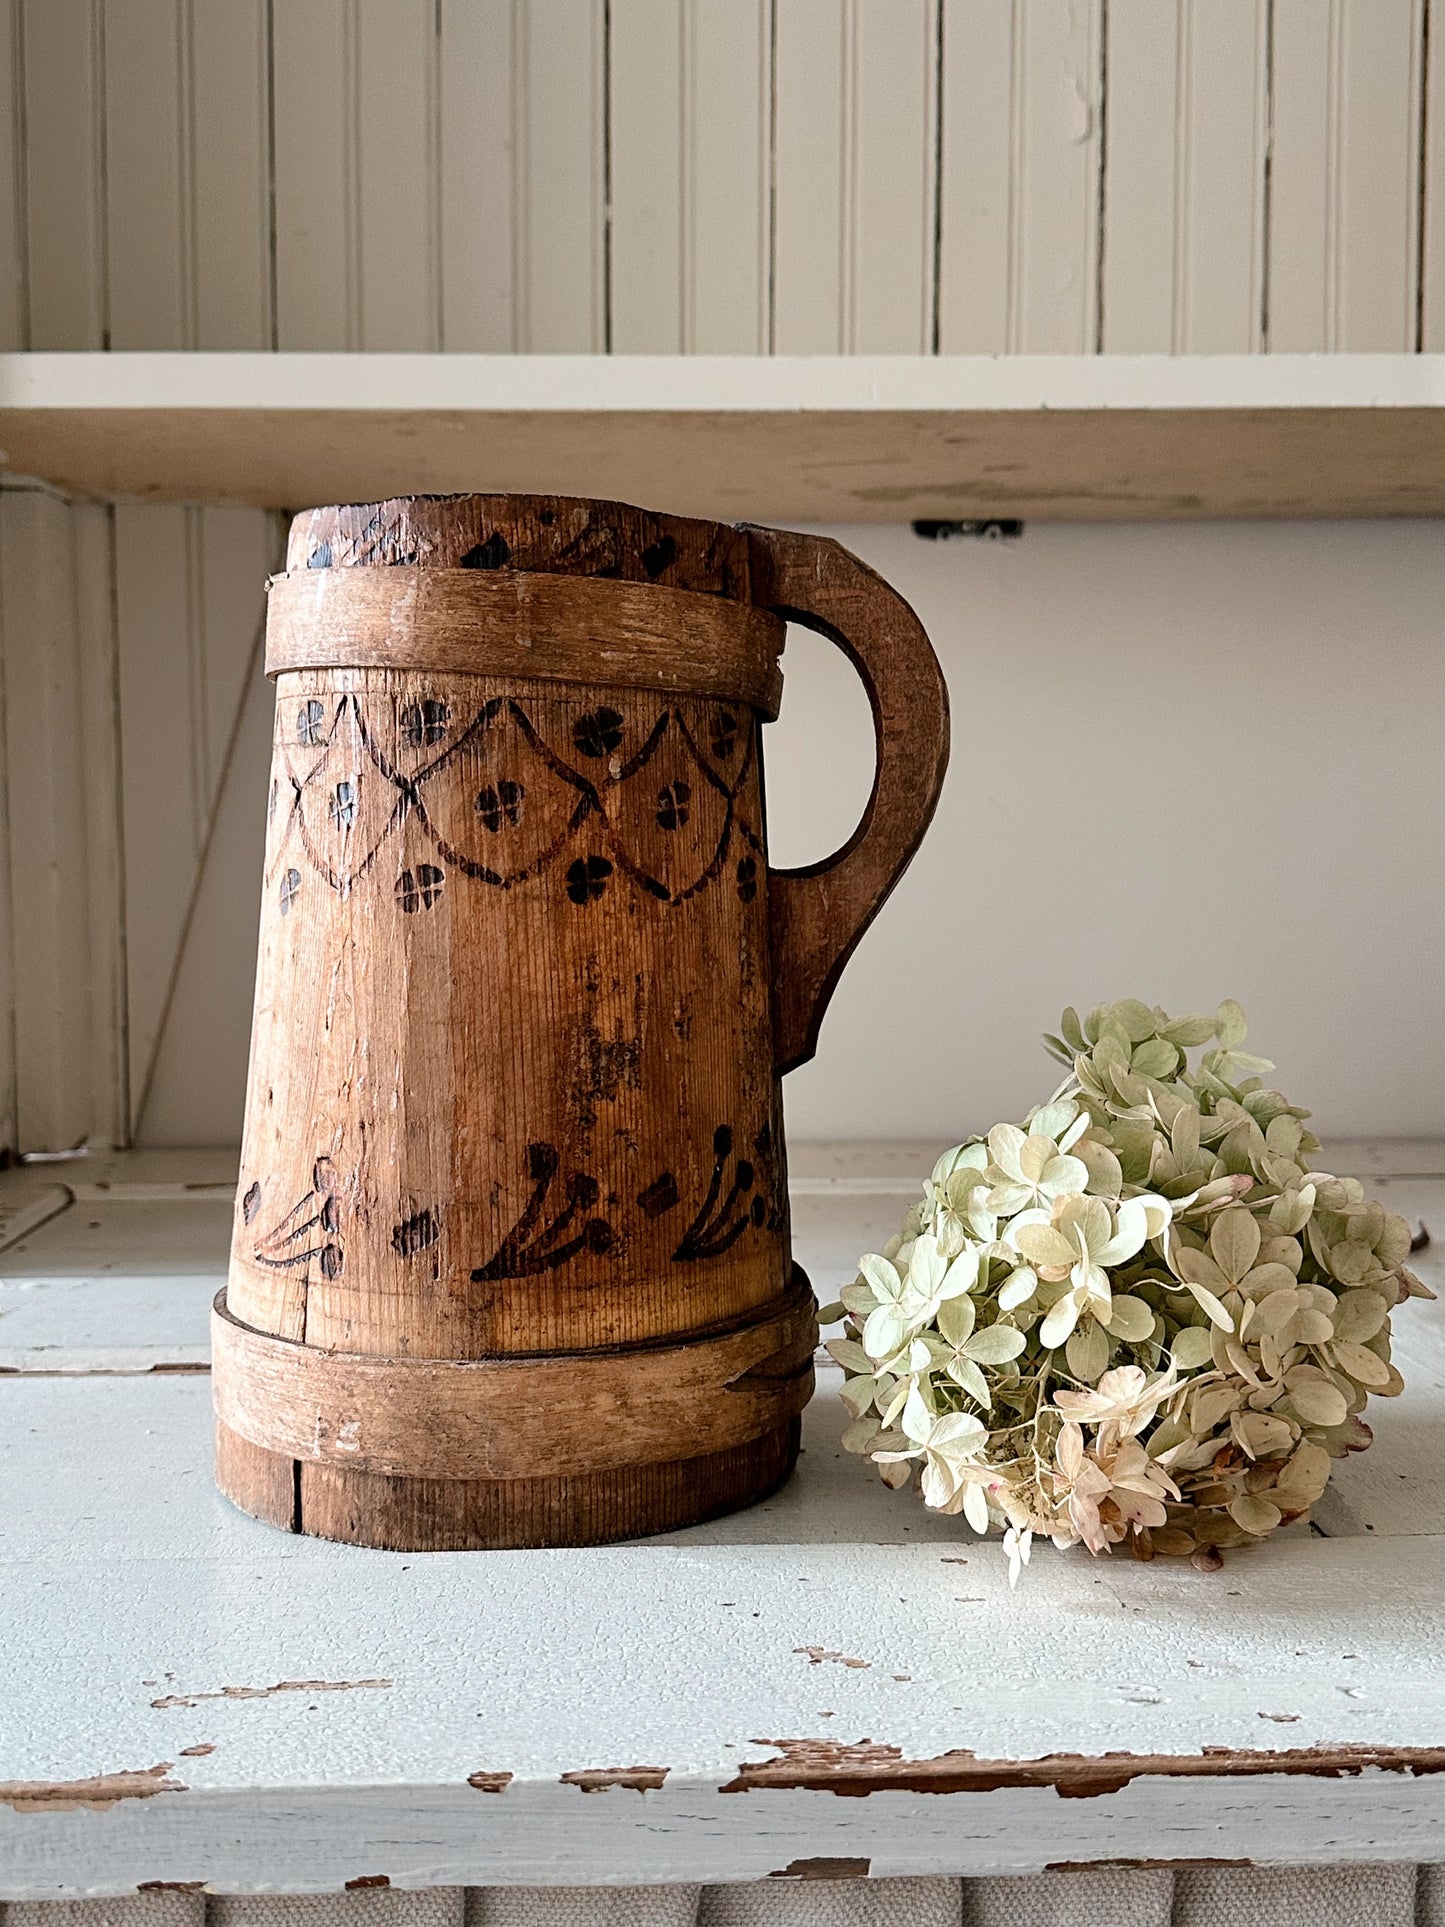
(824, 438)
(189, 1696)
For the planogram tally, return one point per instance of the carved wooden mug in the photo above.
(511, 1257)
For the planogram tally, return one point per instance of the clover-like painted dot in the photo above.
(419, 889)
(747, 879)
(343, 804)
(309, 720)
(289, 891)
(587, 878)
(424, 722)
(501, 803)
(598, 732)
(724, 734)
(672, 802)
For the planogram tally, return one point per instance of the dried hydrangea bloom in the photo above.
(1139, 1317)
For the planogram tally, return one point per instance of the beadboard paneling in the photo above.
(562, 193)
(1345, 199)
(1019, 228)
(58, 885)
(129, 656)
(854, 167)
(228, 136)
(810, 176)
(1184, 188)
(14, 320)
(64, 173)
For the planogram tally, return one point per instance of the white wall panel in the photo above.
(812, 129)
(197, 1084)
(1184, 185)
(561, 192)
(189, 588)
(978, 219)
(64, 173)
(689, 119)
(93, 525)
(727, 208)
(807, 175)
(396, 162)
(1022, 120)
(477, 163)
(228, 164)
(1432, 201)
(522, 176)
(317, 243)
(162, 772)
(14, 320)
(42, 662)
(1344, 180)
(855, 161)
(648, 138)
(146, 162)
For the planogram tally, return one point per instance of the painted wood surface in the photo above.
(332, 1712)
(820, 438)
(822, 176)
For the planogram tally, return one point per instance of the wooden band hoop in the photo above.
(516, 1418)
(552, 628)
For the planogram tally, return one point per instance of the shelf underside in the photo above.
(827, 440)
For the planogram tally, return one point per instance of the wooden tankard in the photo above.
(511, 1258)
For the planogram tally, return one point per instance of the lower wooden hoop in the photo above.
(508, 1418)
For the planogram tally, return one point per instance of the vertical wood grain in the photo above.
(64, 173)
(854, 166)
(14, 320)
(1184, 188)
(44, 779)
(317, 240)
(228, 171)
(561, 191)
(1020, 233)
(1344, 188)
(396, 166)
(727, 212)
(477, 136)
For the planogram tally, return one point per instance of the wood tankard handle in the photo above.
(817, 914)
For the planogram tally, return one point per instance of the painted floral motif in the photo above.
(503, 806)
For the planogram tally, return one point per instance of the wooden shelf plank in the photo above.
(825, 438)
